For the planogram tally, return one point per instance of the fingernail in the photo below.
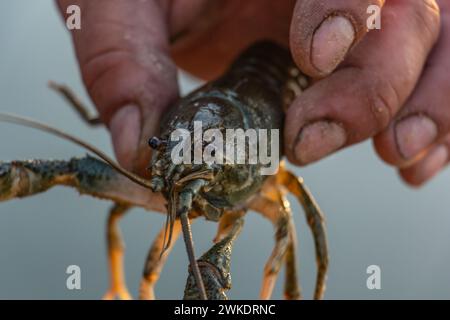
(433, 163)
(125, 128)
(331, 42)
(319, 139)
(414, 134)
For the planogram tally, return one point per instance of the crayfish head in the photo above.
(168, 174)
(164, 171)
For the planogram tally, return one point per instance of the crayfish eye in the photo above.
(154, 142)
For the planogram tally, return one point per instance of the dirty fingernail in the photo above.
(433, 163)
(413, 134)
(319, 139)
(331, 42)
(125, 129)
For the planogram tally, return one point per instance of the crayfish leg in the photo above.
(316, 222)
(227, 223)
(272, 205)
(89, 176)
(118, 287)
(155, 262)
(75, 103)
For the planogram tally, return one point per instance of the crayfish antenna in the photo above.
(187, 234)
(188, 191)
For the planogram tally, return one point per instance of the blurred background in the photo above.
(372, 217)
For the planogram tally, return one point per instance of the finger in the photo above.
(426, 115)
(323, 32)
(426, 168)
(123, 53)
(361, 97)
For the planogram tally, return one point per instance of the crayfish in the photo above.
(253, 93)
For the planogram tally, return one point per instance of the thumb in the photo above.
(123, 53)
(125, 127)
(323, 32)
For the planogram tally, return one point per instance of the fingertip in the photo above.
(322, 33)
(317, 140)
(320, 53)
(125, 127)
(330, 43)
(406, 141)
(424, 170)
(385, 147)
(411, 180)
(293, 159)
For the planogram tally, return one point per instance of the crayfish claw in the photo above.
(215, 268)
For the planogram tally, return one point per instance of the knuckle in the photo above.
(117, 76)
(100, 64)
(427, 17)
(383, 102)
(432, 6)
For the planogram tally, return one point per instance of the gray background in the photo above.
(373, 218)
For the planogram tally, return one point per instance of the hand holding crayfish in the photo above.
(126, 67)
(379, 88)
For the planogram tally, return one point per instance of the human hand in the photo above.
(124, 55)
(393, 85)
